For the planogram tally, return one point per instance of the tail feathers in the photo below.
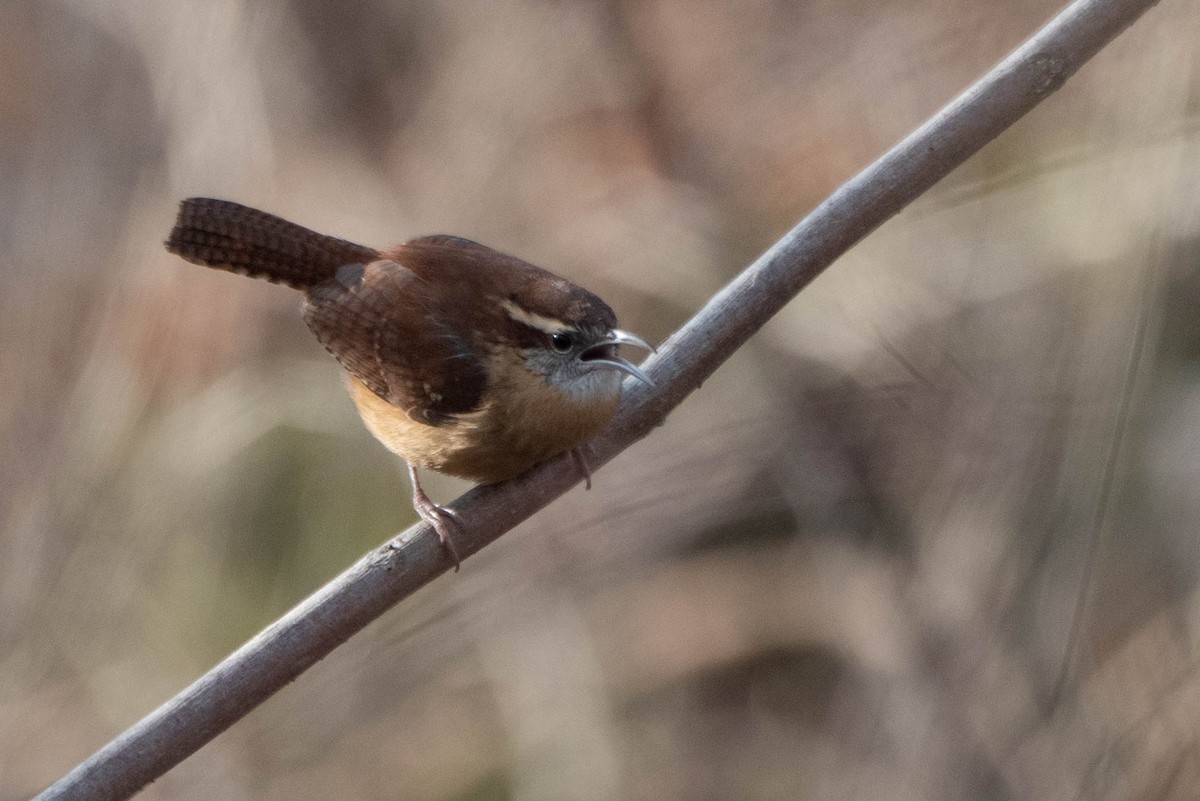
(230, 236)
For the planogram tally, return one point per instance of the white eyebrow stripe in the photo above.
(544, 324)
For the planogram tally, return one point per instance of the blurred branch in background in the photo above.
(394, 571)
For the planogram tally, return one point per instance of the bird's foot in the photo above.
(439, 518)
(581, 463)
(442, 520)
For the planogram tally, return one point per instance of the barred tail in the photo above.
(230, 236)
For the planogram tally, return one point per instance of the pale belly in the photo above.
(493, 444)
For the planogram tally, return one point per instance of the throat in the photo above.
(594, 387)
(550, 419)
(544, 419)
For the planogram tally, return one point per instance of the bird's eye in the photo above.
(561, 341)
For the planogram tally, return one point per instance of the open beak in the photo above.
(605, 354)
(626, 338)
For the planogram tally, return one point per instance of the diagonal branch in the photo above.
(394, 571)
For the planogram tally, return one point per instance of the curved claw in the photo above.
(581, 463)
(439, 517)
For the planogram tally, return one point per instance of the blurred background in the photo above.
(932, 534)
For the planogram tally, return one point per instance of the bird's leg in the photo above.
(585, 469)
(439, 517)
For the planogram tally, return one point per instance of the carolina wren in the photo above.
(460, 358)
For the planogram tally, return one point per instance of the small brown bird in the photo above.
(460, 358)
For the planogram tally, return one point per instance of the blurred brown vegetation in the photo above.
(848, 567)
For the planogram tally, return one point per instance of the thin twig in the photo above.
(1108, 480)
(392, 572)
